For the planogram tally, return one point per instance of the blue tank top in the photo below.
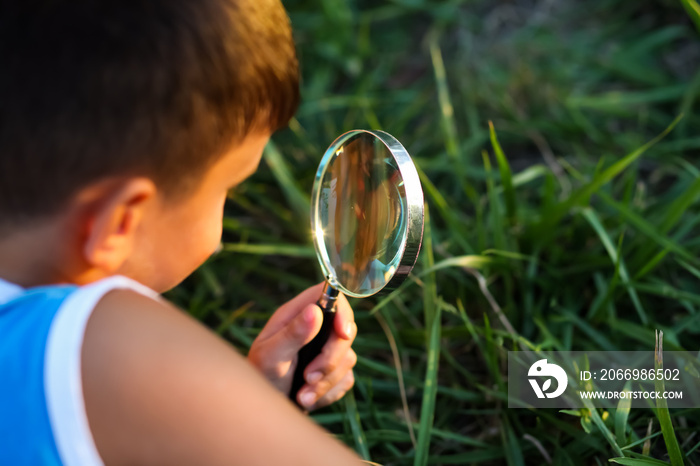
(42, 412)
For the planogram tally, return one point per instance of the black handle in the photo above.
(313, 348)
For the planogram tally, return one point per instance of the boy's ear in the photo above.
(112, 227)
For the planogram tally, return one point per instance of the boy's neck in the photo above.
(38, 256)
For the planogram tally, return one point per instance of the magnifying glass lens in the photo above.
(361, 215)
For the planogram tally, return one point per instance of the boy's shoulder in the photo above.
(159, 387)
(145, 383)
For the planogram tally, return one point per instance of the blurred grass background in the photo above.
(577, 236)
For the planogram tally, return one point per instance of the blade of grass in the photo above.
(612, 101)
(604, 301)
(289, 250)
(649, 230)
(662, 413)
(560, 210)
(673, 213)
(693, 10)
(474, 262)
(430, 285)
(595, 335)
(356, 425)
(590, 215)
(641, 440)
(399, 374)
(427, 414)
(621, 415)
(445, 211)
(650, 265)
(598, 422)
(695, 447)
(506, 176)
(514, 454)
(447, 111)
(432, 311)
(641, 334)
(297, 199)
(667, 291)
(494, 206)
(638, 461)
(529, 174)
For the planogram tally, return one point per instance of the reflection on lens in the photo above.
(361, 216)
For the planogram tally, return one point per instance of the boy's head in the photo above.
(121, 121)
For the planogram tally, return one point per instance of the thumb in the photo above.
(286, 343)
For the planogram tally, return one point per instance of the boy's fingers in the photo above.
(331, 357)
(290, 310)
(327, 383)
(337, 392)
(285, 344)
(344, 318)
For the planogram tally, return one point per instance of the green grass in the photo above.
(569, 223)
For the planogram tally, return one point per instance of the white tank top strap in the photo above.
(62, 370)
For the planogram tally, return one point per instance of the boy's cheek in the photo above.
(189, 242)
(211, 239)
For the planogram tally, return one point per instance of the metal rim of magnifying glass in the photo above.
(413, 237)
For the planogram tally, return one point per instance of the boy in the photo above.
(122, 126)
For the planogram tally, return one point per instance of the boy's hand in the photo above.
(274, 351)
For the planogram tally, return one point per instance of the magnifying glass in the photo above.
(366, 223)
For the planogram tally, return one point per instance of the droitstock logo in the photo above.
(602, 378)
(543, 369)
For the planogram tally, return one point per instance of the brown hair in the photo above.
(95, 88)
